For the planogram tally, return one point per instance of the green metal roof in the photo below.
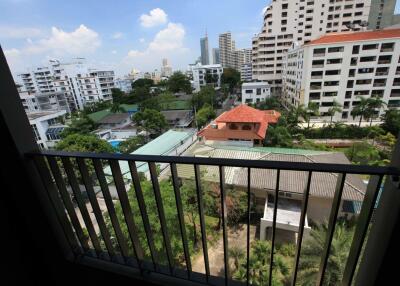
(130, 107)
(162, 145)
(99, 115)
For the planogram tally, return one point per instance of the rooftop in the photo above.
(356, 36)
(97, 116)
(114, 118)
(36, 115)
(246, 114)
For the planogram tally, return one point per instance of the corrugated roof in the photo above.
(114, 118)
(356, 36)
(322, 184)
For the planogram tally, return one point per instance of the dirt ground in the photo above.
(237, 237)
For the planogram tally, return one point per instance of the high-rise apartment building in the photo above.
(299, 21)
(80, 84)
(166, 69)
(226, 50)
(382, 14)
(205, 56)
(216, 58)
(341, 68)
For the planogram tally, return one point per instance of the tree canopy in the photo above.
(391, 121)
(178, 82)
(143, 82)
(205, 114)
(83, 143)
(151, 121)
(79, 125)
(230, 77)
(205, 95)
(131, 144)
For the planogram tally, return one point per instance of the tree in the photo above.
(270, 103)
(336, 107)
(118, 95)
(375, 104)
(278, 136)
(131, 144)
(96, 106)
(391, 121)
(236, 253)
(311, 110)
(205, 95)
(117, 108)
(363, 153)
(79, 125)
(151, 121)
(311, 255)
(295, 113)
(178, 82)
(143, 82)
(361, 109)
(231, 77)
(138, 95)
(204, 115)
(84, 143)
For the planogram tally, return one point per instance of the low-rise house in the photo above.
(178, 118)
(255, 92)
(242, 126)
(292, 184)
(115, 120)
(46, 127)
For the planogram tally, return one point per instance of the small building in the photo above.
(206, 75)
(47, 127)
(116, 120)
(246, 72)
(178, 118)
(255, 92)
(241, 126)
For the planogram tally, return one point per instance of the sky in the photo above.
(121, 34)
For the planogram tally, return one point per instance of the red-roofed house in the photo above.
(341, 68)
(242, 125)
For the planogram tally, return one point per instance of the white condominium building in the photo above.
(206, 75)
(227, 50)
(343, 67)
(80, 84)
(47, 101)
(302, 21)
(255, 92)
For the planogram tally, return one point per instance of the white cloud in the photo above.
(117, 35)
(81, 40)
(10, 32)
(155, 17)
(168, 39)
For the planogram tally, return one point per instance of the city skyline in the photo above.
(142, 34)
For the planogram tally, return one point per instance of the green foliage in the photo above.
(151, 121)
(138, 95)
(341, 131)
(116, 108)
(118, 95)
(271, 103)
(143, 82)
(204, 115)
(131, 144)
(336, 107)
(311, 255)
(391, 121)
(278, 136)
(205, 95)
(230, 77)
(83, 143)
(363, 153)
(96, 106)
(79, 125)
(367, 108)
(178, 82)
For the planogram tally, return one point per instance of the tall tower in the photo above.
(226, 50)
(205, 57)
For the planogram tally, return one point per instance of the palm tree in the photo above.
(295, 113)
(374, 104)
(236, 253)
(336, 107)
(361, 109)
(312, 110)
(311, 255)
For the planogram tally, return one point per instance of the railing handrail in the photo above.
(262, 164)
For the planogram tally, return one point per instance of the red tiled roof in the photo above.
(356, 36)
(247, 114)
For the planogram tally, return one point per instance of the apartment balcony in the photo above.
(62, 227)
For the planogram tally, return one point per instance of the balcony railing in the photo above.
(57, 168)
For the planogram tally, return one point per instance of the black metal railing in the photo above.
(131, 259)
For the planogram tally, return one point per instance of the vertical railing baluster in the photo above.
(126, 209)
(69, 170)
(202, 221)
(67, 202)
(95, 206)
(224, 219)
(45, 176)
(301, 228)
(364, 218)
(331, 226)
(161, 215)
(98, 167)
(248, 225)
(178, 200)
(278, 172)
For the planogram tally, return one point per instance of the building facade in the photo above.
(80, 84)
(206, 75)
(288, 22)
(255, 92)
(382, 14)
(34, 102)
(342, 68)
(226, 50)
(166, 69)
(216, 58)
(246, 72)
(124, 84)
(205, 56)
